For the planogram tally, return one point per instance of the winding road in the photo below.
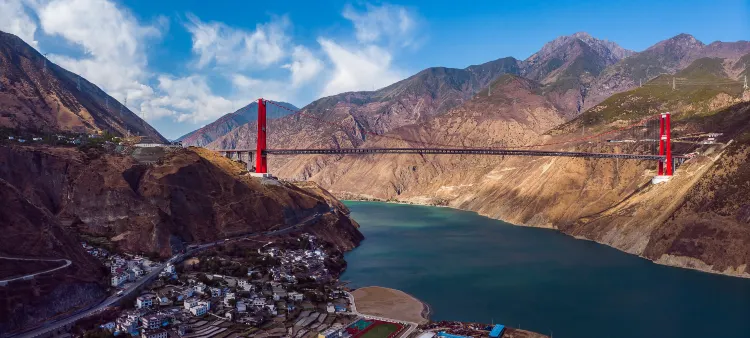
(51, 326)
(31, 275)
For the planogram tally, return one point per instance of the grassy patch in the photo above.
(381, 331)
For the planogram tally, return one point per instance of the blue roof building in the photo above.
(448, 335)
(497, 331)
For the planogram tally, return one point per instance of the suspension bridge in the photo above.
(258, 158)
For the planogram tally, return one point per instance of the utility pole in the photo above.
(640, 82)
(673, 84)
(489, 90)
(106, 102)
(745, 85)
(44, 58)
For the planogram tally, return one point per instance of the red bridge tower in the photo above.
(261, 164)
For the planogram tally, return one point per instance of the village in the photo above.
(271, 288)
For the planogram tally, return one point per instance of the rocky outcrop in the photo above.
(40, 96)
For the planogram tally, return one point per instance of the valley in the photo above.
(120, 230)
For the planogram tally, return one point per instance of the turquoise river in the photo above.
(472, 268)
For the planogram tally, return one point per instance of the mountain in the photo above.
(609, 201)
(665, 57)
(54, 197)
(37, 95)
(430, 92)
(569, 64)
(31, 231)
(229, 122)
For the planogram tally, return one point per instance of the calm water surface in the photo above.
(472, 268)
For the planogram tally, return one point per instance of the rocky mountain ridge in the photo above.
(40, 96)
(229, 122)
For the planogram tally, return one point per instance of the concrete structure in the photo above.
(144, 302)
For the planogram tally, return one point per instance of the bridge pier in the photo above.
(666, 166)
(241, 156)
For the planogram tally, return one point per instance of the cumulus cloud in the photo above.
(113, 42)
(187, 99)
(304, 67)
(358, 69)
(217, 43)
(385, 23)
(15, 20)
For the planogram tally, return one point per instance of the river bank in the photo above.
(667, 260)
(391, 303)
(475, 269)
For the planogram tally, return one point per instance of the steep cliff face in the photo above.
(31, 231)
(192, 195)
(37, 95)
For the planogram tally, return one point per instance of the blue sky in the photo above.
(182, 64)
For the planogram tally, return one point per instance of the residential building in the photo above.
(296, 296)
(119, 279)
(146, 301)
(245, 285)
(198, 310)
(215, 292)
(160, 333)
(330, 308)
(241, 307)
(152, 322)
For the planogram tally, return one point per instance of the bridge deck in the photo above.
(455, 151)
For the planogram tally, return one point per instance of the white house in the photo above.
(144, 302)
(259, 302)
(119, 279)
(296, 296)
(170, 269)
(330, 308)
(246, 285)
(189, 303)
(198, 310)
(152, 322)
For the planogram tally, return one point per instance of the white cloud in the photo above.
(304, 67)
(112, 40)
(385, 22)
(15, 20)
(236, 48)
(187, 99)
(358, 69)
(252, 88)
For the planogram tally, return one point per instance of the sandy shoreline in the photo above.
(391, 303)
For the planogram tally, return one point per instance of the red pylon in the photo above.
(261, 166)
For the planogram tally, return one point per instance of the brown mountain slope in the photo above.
(341, 119)
(30, 231)
(665, 57)
(37, 95)
(610, 201)
(192, 195)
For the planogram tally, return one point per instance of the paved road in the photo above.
(91, 310)
(31, 275)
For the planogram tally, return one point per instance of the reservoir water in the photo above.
(472, 268)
